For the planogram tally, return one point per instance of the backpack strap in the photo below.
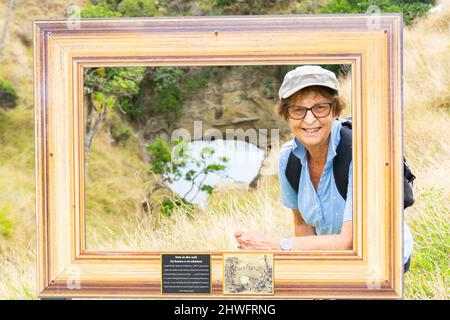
(293, 170)
(408, 196)
(341, 162)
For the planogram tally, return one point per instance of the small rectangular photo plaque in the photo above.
(248, 274)
(186, 273)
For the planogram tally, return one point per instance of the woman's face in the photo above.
(312, 132)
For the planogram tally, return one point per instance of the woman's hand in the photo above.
(251, 240)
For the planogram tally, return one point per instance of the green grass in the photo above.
(17, 204)
(429, 277)
(17, 137)
(6, 224)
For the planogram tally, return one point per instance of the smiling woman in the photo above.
(322, 212)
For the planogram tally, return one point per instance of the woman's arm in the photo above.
(301, 228)
(342, 241)
(249, 240)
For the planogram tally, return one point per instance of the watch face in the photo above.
(286, 244)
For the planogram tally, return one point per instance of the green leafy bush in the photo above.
(161, 157)
(137, 8)
(102, 9)
(121, 133)
(118, 84)
(123, 8)
(169, 205)
(244, 7)
(198, 80)
(411, 9)
(8, 96)
(131, 105)
(6, 224)
(167, 88)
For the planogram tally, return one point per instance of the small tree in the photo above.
(107, 88)
(179, 163)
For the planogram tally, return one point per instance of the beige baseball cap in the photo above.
(306, 76)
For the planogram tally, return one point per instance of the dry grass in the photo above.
(17, 204)
(427, 148)
(18, 272)
(117, 182)
(17, 199)
(192, 229)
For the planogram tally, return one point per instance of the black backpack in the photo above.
(341, 164)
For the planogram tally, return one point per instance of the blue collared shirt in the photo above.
(325, 209)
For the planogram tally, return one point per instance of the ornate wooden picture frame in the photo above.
(373, 269)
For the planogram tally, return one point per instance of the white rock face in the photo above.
(245, 160)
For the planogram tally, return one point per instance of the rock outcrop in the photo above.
(237, 97)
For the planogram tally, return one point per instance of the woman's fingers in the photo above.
(249, 240)
(239, 239)
(242, 239)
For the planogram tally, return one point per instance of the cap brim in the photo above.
(294, 90)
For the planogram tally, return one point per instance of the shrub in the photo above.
(119, 83)
(100, 10)
(244, 7)
(124, 8)
(121, 133)
(8, 96)
(137, 8)
(198, 80)
(6, 224)
(168, 90)
(411, 9)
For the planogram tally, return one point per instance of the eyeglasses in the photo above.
(320, 110)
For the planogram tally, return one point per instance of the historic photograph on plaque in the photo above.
(248, 273)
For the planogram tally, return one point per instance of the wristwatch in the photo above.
(286, 244)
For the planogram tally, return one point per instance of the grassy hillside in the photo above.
(427, 118)
(427, 148)
(117, 182)
(17, 180)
